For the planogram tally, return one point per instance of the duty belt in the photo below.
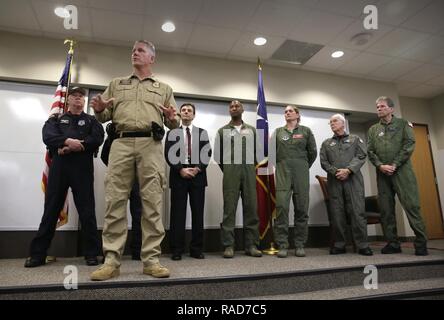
(133, 134)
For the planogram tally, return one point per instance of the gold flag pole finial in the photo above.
(259, 63)
(71, 45)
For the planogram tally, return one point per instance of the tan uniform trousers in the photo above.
(128, 157)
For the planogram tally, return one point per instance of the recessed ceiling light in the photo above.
(168, 26)
(337, 54)
(61, 12)
(260, 41)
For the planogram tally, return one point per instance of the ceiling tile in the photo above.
(178, 39)
(430, 19)
(438, 81)
(405, 85)
(364, 63)
(397, 42)
(245, 47)
(205, 53)
(351, 8)
(422, 91)
(439, 60)
(18, 14)
(124, 26)
(277, 20)
(427, 50)
(323, 58)
(308, 29)
(395, 69)
(213, 39)
(425, 73)
(49, 22)
(136, 6)
(395, 12)
(222, 13)
(179, 10)
(343, 40)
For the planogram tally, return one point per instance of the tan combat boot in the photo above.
(156, 270)
(105, 272)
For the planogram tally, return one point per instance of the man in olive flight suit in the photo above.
(390, 145)
(235, 152)
(138, 105)
(295, 153)
(342, 156)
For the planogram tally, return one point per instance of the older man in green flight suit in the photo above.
(235, 152)
(342, 156)
(390, 145)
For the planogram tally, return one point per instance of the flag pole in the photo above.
(271, 250)
(71, 52)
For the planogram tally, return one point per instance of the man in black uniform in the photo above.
(72, 140)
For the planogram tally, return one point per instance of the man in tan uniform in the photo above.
(138, 105)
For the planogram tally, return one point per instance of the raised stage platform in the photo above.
(317, 276)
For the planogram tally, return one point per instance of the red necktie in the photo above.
(189, 144)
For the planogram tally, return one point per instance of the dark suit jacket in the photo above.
(176, 152)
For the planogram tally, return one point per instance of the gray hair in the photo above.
(338, 116)
(387, 100)
(149, 45)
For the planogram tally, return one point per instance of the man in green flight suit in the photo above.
(342, 156)
(390, 145)
(235, 152)
(296, 151)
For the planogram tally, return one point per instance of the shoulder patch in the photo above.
(360, 140)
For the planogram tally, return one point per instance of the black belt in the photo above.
(133, 134)
(189, 165)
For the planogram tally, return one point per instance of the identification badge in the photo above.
(298, 136)
(156, 84)
(285, 138)
(64, 121)
(246, 132)
(381, 134)
(81, 122)
(332, 144)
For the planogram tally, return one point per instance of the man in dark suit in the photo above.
(187, 152)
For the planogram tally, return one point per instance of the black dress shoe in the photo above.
(335, 250)
(365, 251)
(389, 249)
(197, 255)
(34, 262)
(176, 257)
(91, 261)
(421, 251)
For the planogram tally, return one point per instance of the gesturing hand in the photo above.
(99, 104)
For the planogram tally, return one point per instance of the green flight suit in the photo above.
(295, 153)
(394, 143)
(235, 154)
(348, 196)
(136, 105)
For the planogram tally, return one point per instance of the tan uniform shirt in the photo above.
(137, 103)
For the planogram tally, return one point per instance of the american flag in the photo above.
(265, 187)
(58, 107)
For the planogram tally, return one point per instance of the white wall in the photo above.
(28, 58)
